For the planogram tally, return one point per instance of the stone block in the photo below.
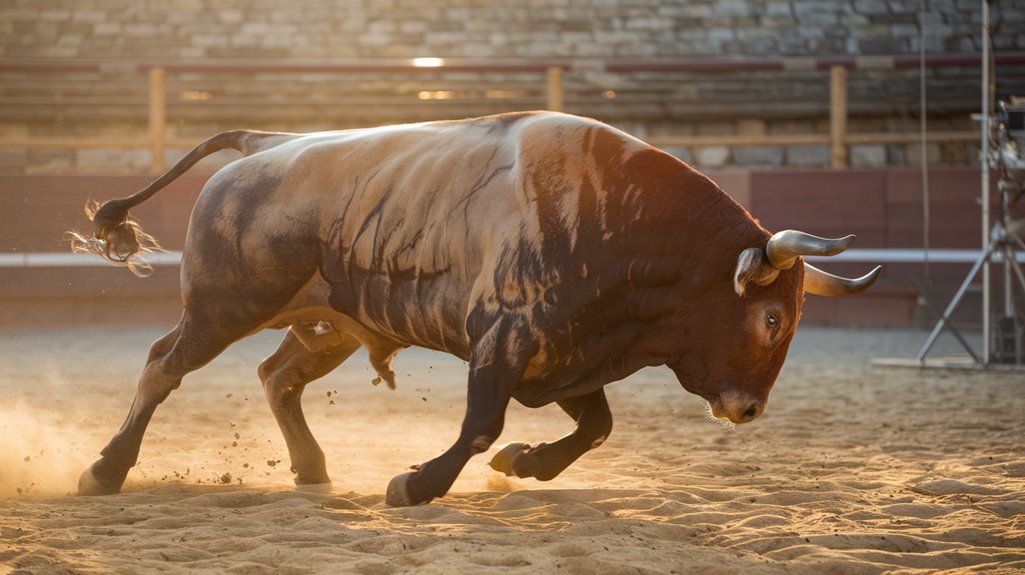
(257, 28)
(905, 30)
(713, 157)
(884, 45)
(230, 16)
(807, 156)
(648, 23)
(872, 7)
(55, 15)
(70, 40)
(720, 35)
(141, 29)
(867, 155)
(90, 16)
(906, 6)
(734, 8)
(758, 156)
(217, 40)
(816, 14)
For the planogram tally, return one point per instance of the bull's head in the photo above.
(735, 360)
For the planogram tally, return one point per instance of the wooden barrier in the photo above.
(553, 70)
(883, 207)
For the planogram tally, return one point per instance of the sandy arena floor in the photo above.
(853, 469)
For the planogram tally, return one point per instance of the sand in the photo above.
(853, 469)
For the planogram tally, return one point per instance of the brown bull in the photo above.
(553, 253)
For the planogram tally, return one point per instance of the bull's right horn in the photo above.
(785, 247)
(818, 282)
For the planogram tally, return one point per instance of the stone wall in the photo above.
(114, 101)
(326, 29)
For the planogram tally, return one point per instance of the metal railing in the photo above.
(158, 138)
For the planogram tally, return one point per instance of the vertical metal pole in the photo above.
(157, 118)
(1005, 211)
(838, 116)
(984, 161)
(923, 123)
(555, 90)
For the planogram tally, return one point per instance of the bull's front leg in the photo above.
(547, 460)
(495, 368)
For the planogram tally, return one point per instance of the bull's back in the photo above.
(416, 226)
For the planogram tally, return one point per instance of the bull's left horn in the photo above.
(818, 282)
(785, 247)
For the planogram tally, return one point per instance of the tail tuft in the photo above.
(116, 238)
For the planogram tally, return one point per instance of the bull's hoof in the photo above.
(313, 487)
(505, 460)
(90, 484)
(398, 494)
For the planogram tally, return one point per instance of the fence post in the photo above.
(838, 116)
(157, 118)
(555, 93)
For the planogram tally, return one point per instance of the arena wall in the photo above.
(882, 207)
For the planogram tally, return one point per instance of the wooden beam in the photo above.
(157, 117)
(838, 116)
(911, 137)
(555, 89)
(73, 142)
(740, 140)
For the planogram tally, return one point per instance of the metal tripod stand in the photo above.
(1004, 242)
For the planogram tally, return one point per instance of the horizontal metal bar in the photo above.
(866, 255)
(908, 256)
(73, 260)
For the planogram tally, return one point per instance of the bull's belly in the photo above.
(376, 315)
(428, 313)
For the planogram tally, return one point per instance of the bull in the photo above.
(554, 253)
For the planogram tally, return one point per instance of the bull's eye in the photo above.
(771, 321)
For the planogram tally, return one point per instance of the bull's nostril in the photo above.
(752, 412)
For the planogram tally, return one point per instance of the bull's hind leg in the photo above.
(189, 346)
(284, 375)
(547, 460)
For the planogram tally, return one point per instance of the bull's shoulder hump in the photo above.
(560, 131)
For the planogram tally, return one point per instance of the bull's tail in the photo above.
(120, 239)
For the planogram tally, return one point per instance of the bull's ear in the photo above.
(753, 266)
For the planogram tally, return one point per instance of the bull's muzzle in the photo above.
(737, 407)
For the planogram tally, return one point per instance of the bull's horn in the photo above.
(818, 282)
(785, 247)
